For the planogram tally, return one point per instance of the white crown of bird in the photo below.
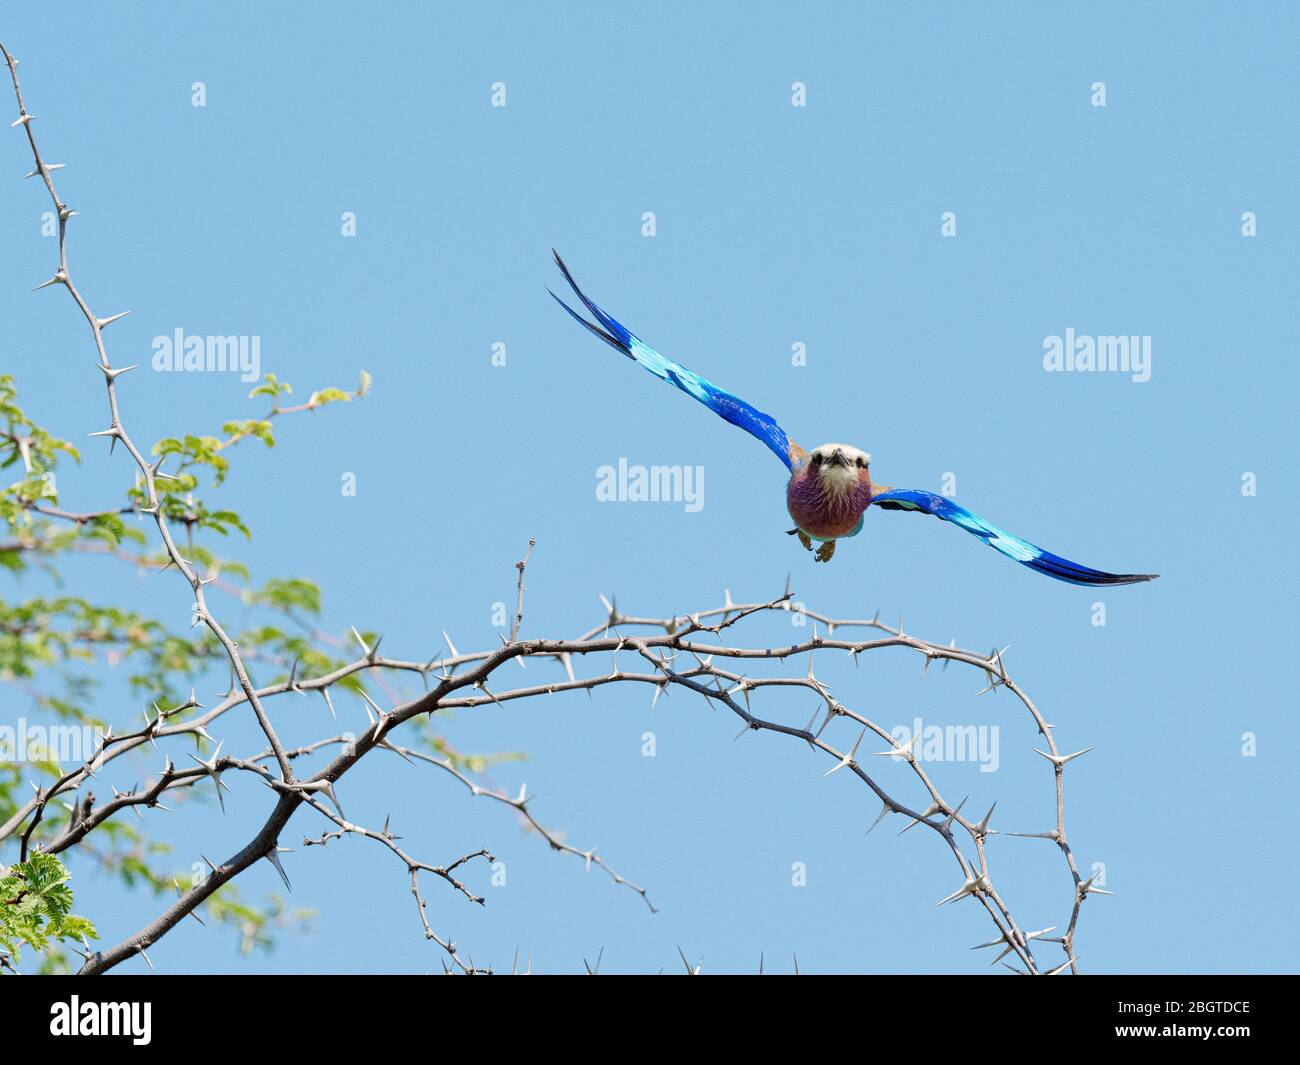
(839, 475)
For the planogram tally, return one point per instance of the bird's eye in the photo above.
(862, 463)
(816, 459)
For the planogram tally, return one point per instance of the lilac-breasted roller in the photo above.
(830, 488)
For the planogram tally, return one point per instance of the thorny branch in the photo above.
(709, 667)
(116, 431)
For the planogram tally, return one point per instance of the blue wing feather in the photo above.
(1013, 547)
(719, 400)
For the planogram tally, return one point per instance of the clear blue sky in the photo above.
(775, 225)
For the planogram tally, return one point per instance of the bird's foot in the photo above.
(803, 538)
(825, 552)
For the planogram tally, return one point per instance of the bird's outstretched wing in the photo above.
(1013, 547)
(721, 402)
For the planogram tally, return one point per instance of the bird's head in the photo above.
(838, 466)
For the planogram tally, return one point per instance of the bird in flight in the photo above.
(830, 487)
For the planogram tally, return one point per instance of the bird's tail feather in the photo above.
(594, 329)
(614, 332)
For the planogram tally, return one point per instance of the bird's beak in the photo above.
(839, 458)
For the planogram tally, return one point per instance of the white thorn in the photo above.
(904, 751)
(1061, 759)
(933, 808)
(371, 705)
(885, 811)
(1086, 888)
(58, 279)
(849, 758)
(273, 857)
(566, 660)
(973, 886)
(364, 646)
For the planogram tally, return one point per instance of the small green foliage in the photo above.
(112, 530)
(328, 395)
(254, 924)
(196, 451)
(23, 440)
(434, 742)
(57, 649)
(259, 428)
(291, 594)
(36, 907)
(35, 455)
(60, 651)
(272, 387)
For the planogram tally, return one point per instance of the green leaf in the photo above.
(328, 395)
(36, 906)
(271, 387)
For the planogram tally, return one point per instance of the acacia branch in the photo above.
(685, 654)
(116, 431)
